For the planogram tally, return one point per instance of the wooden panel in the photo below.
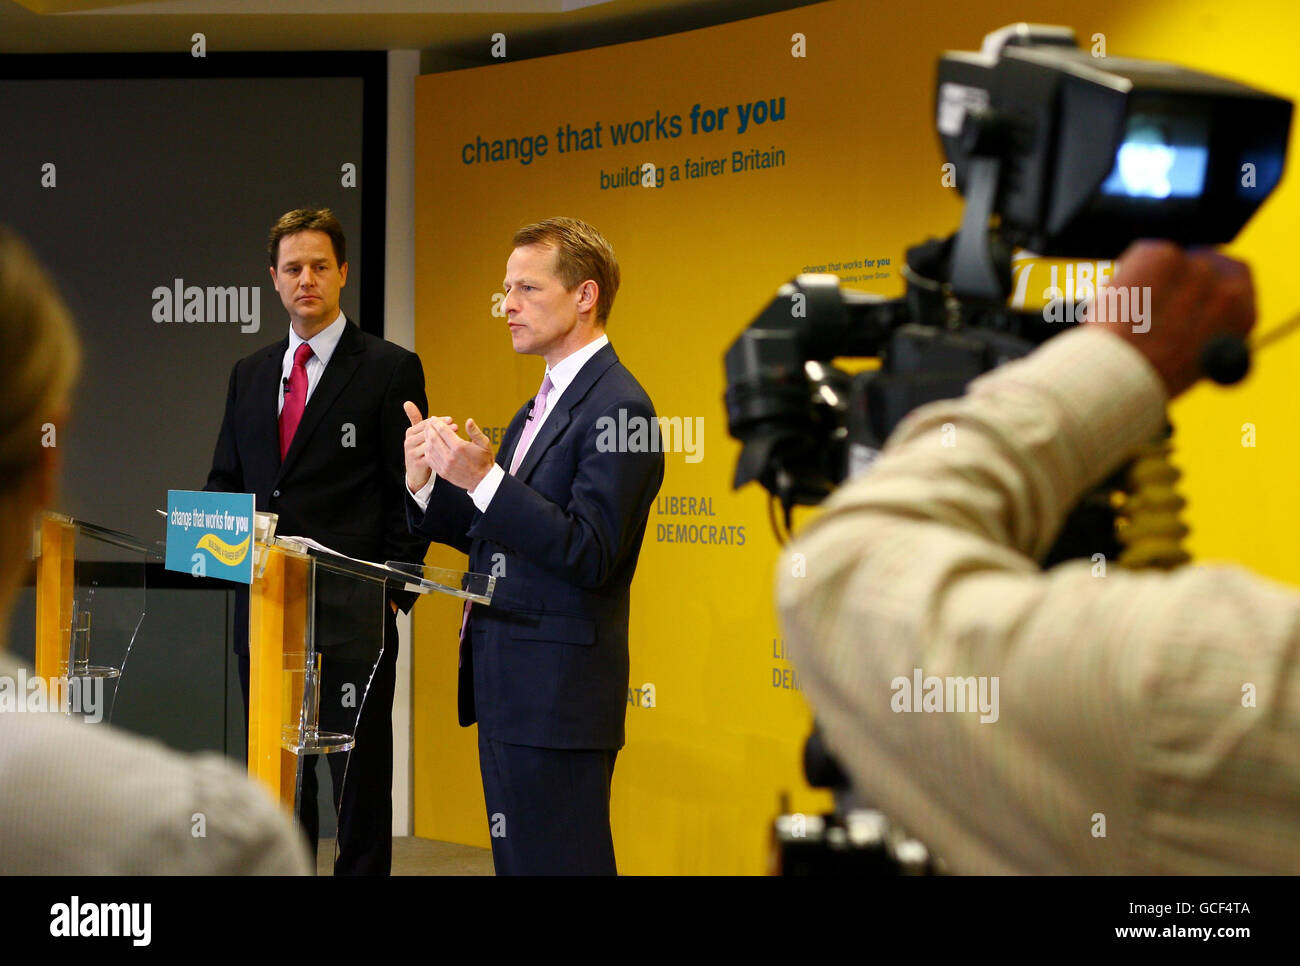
(277, 638)
(55, 576)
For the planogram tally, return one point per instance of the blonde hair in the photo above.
(39, 360)
(581, 253)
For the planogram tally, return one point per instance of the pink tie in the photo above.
(534, 420)
(530, 430)
(295, 398)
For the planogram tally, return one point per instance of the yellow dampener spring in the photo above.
(1146, 516)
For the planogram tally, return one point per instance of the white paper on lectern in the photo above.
(317, 545)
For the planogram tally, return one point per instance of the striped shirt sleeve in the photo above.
(1138, 722)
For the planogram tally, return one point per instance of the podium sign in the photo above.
(211, 534)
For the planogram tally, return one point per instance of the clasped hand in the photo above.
(432, 446)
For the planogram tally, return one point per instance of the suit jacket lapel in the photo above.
(558, 420)
(266, 401)
(511, 438)
(342, 365)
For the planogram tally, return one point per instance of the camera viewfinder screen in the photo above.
(1161, 156)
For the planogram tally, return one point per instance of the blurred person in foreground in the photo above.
(78, 798)
(1121, 739)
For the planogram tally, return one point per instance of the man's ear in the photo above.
(343, 274)
(588, 295)
(275, 282)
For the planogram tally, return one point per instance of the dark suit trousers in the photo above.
(548, 808)
(363, 777)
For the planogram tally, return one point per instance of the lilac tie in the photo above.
(534, 420)
(530, 430)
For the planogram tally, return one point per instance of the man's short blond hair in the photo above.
(581, 253)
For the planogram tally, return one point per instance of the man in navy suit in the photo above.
(313, 427)
(563, 509)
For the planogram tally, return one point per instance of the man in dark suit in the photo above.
(560, 513)
(314, 427)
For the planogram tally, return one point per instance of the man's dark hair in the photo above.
(307, 219)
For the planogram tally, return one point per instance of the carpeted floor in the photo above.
(413, 856)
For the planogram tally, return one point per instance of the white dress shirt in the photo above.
(323, 344)
(561, 375)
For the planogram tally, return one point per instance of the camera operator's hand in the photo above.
(1191, 297)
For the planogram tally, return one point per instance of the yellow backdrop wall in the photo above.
(854, 177)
